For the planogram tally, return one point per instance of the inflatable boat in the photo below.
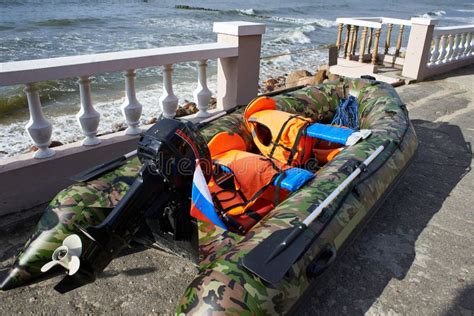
(275, 192)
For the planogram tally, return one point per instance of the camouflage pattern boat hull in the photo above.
(222, 284)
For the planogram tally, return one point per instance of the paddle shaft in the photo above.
(316, 212)
(298, 230)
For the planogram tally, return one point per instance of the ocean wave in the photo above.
(431, 14)
(293, 37)
(67, 22)
(262, 14)
(317, 22)
(13, 98)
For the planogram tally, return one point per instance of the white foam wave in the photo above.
(318, 22)
(431, 14)
(294, 37)
(250, 11)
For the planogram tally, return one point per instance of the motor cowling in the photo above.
(171, 148)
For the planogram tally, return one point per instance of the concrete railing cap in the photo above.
(424, 21)
(239, 28)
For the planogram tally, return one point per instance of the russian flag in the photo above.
(202, 207)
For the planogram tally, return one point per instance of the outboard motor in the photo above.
(159, 197)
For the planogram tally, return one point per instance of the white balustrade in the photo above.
(131, 108)
(168, 100)
(38, 127)
(88, 117)
(202, 94)
(237, 51)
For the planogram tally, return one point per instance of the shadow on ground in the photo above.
(386, 248)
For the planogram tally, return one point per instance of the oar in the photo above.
(98, 170)
(273, 257)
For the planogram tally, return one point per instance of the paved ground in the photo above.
(415, 257)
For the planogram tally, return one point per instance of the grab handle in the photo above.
(321, 262)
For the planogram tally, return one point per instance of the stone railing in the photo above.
(237, 50)
(365, 47)
(450, 46)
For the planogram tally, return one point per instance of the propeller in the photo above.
(66, 255)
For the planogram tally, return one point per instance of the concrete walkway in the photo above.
(415, 257)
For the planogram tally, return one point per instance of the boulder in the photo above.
(293, 78)
(332, 77)
(54, 143)
(270, 84)
(151, 121)
(320, 76)
(117, 127)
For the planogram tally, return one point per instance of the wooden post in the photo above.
(389, 34)
(369, 46)
(340, 27)
(351, 43)
(376, 47)
(363, 40)
(399, 41)
(346, 41)
(354, 40)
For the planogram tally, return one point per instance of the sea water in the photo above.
(298, 33)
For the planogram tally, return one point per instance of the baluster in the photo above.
(346, 41)
(442, 50)
(460, 46)
(389, 34)
(340, 27)
(369, 46)
(202, 94)
(463, 46)
(363, 40)
(469, 45)
(88, 117)
(354, 40)
(457, 39)
(131, 108)
(399, 41)
(435, 51)
(38, 127)
(376, 47)
(450, 48)
(351, 42)
(168, 101)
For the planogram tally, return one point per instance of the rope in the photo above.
(347, 113)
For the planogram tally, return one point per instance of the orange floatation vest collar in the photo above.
(278, 134)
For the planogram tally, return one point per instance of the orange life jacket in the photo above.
(251, 195)
(278, 134)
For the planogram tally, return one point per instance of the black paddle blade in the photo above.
(94, 172)
(259, 260)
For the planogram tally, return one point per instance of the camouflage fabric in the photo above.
(82, 204)
(223, 285)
